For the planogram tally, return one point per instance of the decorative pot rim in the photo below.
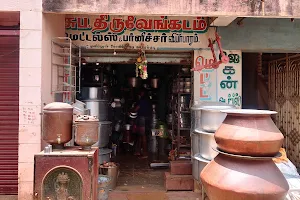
(197, 131)
(247, 157)
(217, 108)
(243, 112)
(199, 158)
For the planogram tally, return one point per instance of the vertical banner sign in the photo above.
(223, 84)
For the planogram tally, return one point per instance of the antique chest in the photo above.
(66, 174)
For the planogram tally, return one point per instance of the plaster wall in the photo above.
(262, 35)
(30, 88)
(257, 8)
(19, 5)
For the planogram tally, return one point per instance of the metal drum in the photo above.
(57, 123)
(195, 143)
(198, 164)
(207, 143)
(104, 132)
(104, 155)
(98, 108)
(95, 93)
(86, 131)
(207, 116)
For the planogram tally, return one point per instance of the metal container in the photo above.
(104, 132)
(195, 139)
(127, 127)
(95, 93)
(103, 181)
(104, 155)
(187, 90)
(134, 82)
(57, 123)
(118, 126)
(98, 108)
(198, 165)
(207, 143)
(211, 118)
(241, 178)
(154, 82)
(112, 172)
(86, 131)
(153, 148)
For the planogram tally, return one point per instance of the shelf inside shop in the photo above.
(63, 65)
(185, 145)
(185, 111)
(64, 44)
(182, 93)
(65, 55)
(184, 76)
(184, 129)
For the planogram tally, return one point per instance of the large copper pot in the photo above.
(234, 178)
(249, 132)
(57, 123)
(86, 131)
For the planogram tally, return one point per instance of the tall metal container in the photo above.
(98, 108)
(96, 93)
(57, 121)
(86, 131)
(103, 134)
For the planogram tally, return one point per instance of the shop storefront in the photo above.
(109, 62)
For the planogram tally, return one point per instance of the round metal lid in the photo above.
(247, 157)
(199, 105)
(104, 151)
(200, 158)
(58, 106)
(252, 112)
(198, 131)
(86, 118)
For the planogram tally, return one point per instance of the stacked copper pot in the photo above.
(247, 141)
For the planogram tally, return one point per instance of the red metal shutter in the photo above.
(9, 113)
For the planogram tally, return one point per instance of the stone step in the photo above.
(178, 182)
(181, 167)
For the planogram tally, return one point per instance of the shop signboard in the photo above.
(223, 84)
(129, 32)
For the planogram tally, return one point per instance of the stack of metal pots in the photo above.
(97, 100)
(206, 117)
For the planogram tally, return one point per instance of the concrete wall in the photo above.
(19, 5)
(30, 92)
(262, 35)
(266, 8)
(53, 26)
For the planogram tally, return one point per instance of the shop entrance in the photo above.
(149, 117)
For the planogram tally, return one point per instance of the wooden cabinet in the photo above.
(70, 174)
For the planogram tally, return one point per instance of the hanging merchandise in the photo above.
(215, 64)
(141, 64)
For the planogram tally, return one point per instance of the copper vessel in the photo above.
(57, 120)
(86, 131)
(244, 170)
(234, 178)
(249, 132)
